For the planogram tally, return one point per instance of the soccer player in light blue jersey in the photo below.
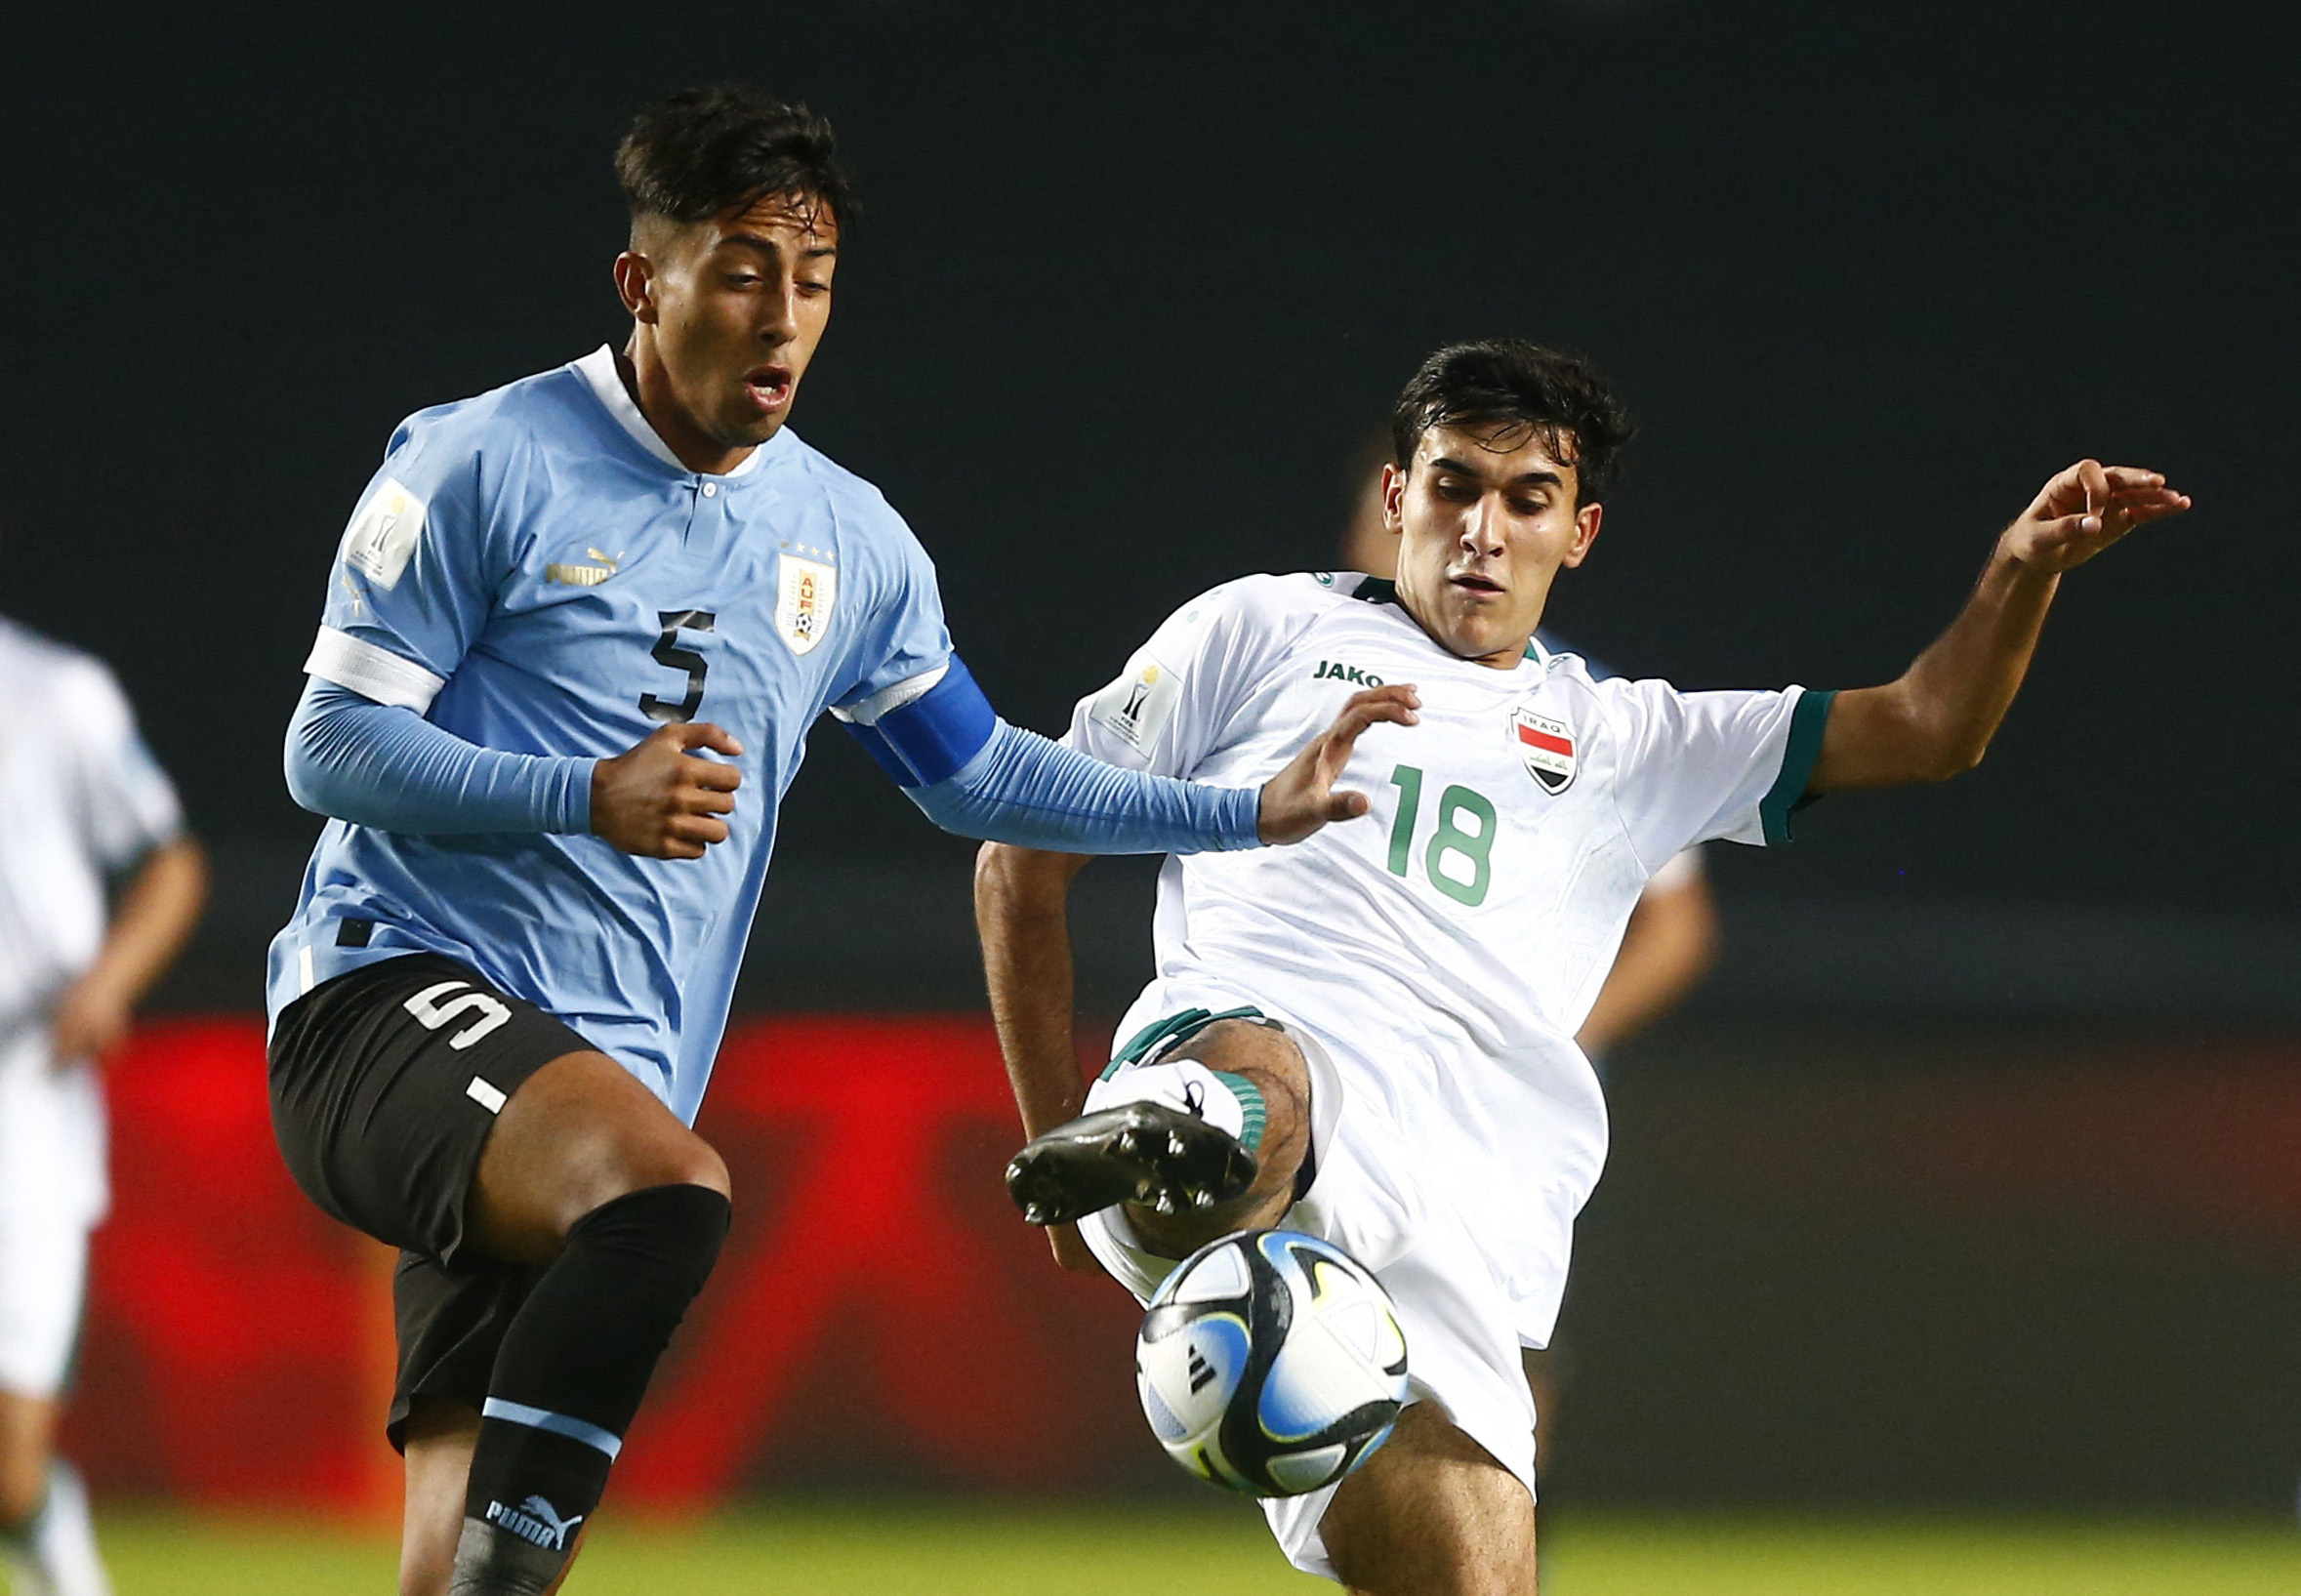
(576, 635)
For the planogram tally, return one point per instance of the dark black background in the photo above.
(1132, 283)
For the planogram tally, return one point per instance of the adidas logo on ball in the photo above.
(1271, 1363)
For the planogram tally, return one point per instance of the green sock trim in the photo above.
(1250, 1098)
(1160, 1035)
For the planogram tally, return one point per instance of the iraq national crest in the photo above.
(1547, 748)
(802, 604)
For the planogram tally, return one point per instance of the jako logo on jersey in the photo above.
(535, 1520)
(584, 576)
(802, 606)
(1547, 748)
(1339, 671)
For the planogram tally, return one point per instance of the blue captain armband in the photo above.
(924, 730)
(972, 774)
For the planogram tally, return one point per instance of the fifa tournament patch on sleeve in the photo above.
(384, 533)
(1136, 708)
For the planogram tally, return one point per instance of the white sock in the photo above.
(61, 1541)
(1229, 1102)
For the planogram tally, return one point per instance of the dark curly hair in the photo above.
(1509, 385)
(704, 151)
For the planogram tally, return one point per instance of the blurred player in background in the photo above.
(1369, 1037)
(571, 620)
(84, 811)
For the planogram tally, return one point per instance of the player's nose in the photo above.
(779, 321)
(1482, 530)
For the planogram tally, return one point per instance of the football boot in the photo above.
(1139, 1152)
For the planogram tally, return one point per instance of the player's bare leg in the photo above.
(1213, 1143)
(437, 1459)
(1267, 1058)
(28, 1436)
(578, 1134)
(44, 1521)
(1432, 1514)
(578, 1138)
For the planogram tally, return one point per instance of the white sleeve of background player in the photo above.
(1167, 709)
(1701, 765)
(126, 806)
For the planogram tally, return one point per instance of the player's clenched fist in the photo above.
(2084, 509)
(1301, 798)
(663, 800)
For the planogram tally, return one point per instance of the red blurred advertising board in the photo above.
(879, 1313)
(880, 1317)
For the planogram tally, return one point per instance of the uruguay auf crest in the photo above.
(803, 601)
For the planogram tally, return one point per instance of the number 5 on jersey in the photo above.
(668, 652)
(1457, 858)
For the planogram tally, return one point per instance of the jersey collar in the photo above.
(1380, 590)
(598, 372)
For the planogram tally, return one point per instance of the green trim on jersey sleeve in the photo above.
(1788, 793)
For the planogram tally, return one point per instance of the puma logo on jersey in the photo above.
(1547, 748)
(1336, 670)
(584, 576)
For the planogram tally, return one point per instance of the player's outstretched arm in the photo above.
(1937, 718)
(1022, 914)
(974, 774)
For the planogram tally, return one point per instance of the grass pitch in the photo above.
(974, 1550)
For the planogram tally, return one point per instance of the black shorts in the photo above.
(385, 1084)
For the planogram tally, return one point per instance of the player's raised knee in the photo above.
(684, 1159)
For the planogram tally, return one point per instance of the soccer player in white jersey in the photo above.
(1369, 1037)
(83, 808)
(1673, 935)
(573, 642)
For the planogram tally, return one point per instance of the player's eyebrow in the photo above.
(813, 252)
(1447, 463)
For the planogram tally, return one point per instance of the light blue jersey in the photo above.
(534, 571)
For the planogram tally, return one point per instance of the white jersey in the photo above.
(79, 799)
(1460, 933)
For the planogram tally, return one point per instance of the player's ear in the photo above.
(634, 285)
(1393, 495)
(1586, 532)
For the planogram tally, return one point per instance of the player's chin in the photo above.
(748, 428)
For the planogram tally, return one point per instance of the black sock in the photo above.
(568, 1380)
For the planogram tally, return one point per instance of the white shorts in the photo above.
(1462, 1325)
(52, 1194)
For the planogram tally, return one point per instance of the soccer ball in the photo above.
(1271, 1363)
